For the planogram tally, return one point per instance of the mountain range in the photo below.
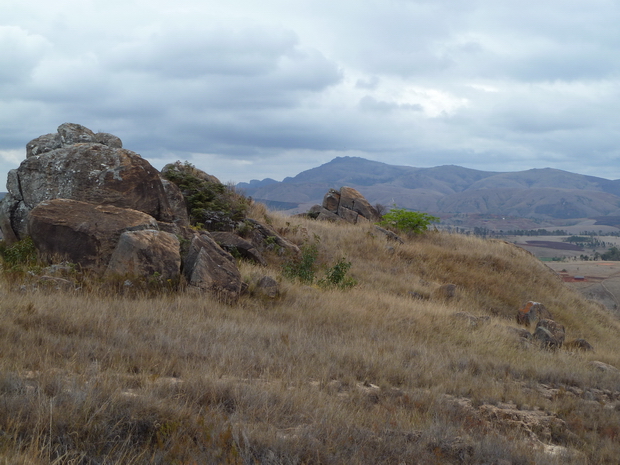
(544, 194)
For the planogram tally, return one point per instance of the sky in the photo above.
(249, 90)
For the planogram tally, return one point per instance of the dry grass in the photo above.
(365, 375)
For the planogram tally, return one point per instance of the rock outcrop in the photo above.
(85, 199)
(346, 204)
(77, 164)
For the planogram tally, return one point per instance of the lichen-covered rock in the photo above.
(82, 232)
(532, 312)
(75, 164)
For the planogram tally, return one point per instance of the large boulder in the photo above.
(209, 268)
(351, 199)
(146, 253)
(76, 164)
(347, 204)
(82, 232)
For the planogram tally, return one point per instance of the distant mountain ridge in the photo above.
(545, 193)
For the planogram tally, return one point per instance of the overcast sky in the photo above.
(248, 89)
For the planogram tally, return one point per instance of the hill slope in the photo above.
(398, 369)
(537, 193)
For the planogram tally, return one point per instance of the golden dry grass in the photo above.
(364, 375)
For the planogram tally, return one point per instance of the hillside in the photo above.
(399, 368)
(538, 193)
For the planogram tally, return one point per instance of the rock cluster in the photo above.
(82, 197)
(548, 333)
(347, 204)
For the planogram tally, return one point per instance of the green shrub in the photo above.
(407, 221)
(210, 205)
(303, 268)
(336, 276)
(22, 253)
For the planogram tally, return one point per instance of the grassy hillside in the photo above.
(368, 374)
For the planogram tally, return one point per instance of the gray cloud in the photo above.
(248, 89)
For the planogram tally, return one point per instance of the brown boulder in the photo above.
(146, 253)
(209, 268)
(331, 201)
(532, 312)
(352, 199)
(81, 232)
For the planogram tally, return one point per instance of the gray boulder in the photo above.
(146, 253)
(209, 268)
(549, 334)
(73, 165)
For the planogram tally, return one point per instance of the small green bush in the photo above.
(303, 269)
(22, 253)
(336, 276)
(407, 221)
